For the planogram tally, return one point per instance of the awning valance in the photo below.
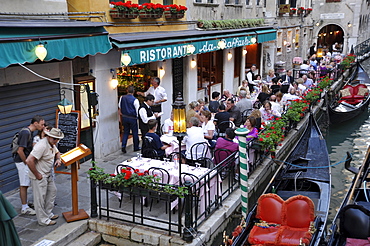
(266, 35)
(152, 51)
(60, 43)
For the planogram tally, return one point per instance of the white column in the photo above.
(106, 133)
(228, 70)
(190, 80)
(166, 82)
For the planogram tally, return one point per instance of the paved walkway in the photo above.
(29, 230)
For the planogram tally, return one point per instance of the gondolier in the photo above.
(160, 96)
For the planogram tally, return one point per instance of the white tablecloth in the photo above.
(144, 164)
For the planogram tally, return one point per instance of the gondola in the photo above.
(354, 97)
(294, 207)
(351, 224)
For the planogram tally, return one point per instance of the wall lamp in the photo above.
(349, 24)
(41, 51)
(245, 51)
(114, 81)
(162, 72)
(229, 55)
(319, 22)
(253, 40)
(65, 106)
(193, 63)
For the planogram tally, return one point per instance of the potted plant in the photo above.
(174, 11)
(292, 11)
(308, 10)
(300, 10)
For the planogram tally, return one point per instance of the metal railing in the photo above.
(333, 73)
(205, 196)
(362, 48)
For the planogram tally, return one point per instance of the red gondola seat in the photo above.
(354, 94)
(284, 223)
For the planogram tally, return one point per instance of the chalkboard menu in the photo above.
(70, 126)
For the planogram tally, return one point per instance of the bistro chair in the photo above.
(195, 191)
(199, 150)
(222, 126)
(118, 171)
(148, 150)
(219, 156)
(245, 114)
(164, 179)
(205, 162)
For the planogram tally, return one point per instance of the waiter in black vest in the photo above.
(146, 114)
(160, 96)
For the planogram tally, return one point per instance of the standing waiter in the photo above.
(128, 110)
(160, 97)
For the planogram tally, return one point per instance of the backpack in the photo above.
(14, 145)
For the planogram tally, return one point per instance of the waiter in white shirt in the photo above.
(160, 97)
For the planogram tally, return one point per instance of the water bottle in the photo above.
(176, 161)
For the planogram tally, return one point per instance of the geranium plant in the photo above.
(134, 178)
(273, 133)
(347, 61)
(174, 8)
(293, 10)
(153, 7)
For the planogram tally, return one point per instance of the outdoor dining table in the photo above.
(213, 188)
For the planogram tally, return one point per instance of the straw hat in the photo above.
(55, 133)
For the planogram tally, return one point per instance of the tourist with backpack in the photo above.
(21, 148)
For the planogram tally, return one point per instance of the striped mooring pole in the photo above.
(243, 162)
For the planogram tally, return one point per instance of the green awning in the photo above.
(60, 43)
(266, 35)
(174, 48)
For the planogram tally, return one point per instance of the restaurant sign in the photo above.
(159, 53)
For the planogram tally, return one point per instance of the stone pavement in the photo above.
(29, 230)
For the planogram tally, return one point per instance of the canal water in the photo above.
(352, 136)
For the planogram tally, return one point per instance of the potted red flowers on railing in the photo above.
(151, 10)
(174, 11)
(127, 10)
(308, 10)
(292, 11)
(300, 10)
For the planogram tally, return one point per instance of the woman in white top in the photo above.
(208, 127)
(268, 114)
(270, 76)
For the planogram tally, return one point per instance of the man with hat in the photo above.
(40, 162)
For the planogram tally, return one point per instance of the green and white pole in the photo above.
(243, 162)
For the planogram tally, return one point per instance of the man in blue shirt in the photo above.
(128, 108)
(154, 139)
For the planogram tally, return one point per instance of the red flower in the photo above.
(137, 170)
(140, 174)
(112, 175)
(261, 139)
(272, 127)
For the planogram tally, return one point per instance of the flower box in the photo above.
(173, 15)
(150, 15)
(131, 15)
(115, 14)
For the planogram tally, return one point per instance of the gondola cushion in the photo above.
(354, 94)
(293, 225)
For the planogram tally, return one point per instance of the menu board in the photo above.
(69, 124)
